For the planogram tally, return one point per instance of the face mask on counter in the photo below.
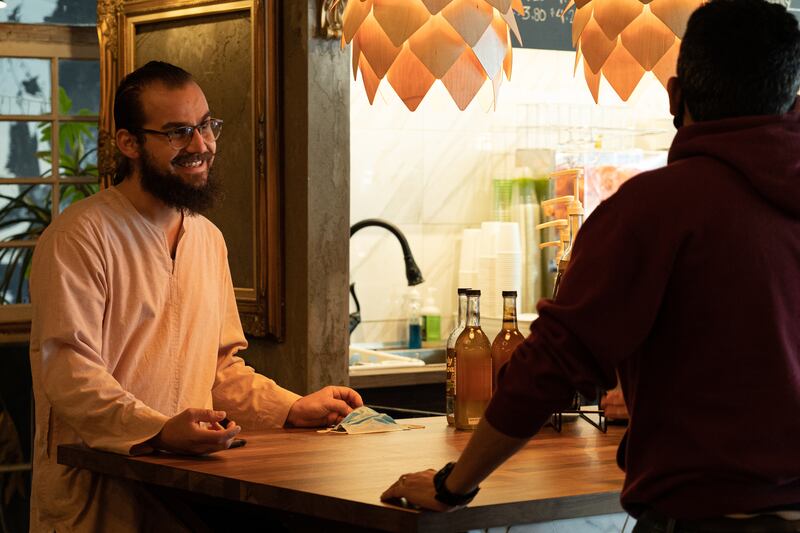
(366, 420)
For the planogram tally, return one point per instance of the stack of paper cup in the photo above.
(487, 260)
(508, 263)
(468, 262)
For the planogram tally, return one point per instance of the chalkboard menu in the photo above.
(540, 25)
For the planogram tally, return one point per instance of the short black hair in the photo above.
(128, 112)
(739, 58)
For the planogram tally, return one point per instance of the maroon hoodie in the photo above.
(687, 280)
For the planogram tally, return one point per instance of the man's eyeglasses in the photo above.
(180, 137)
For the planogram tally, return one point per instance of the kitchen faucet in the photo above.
(413, 274)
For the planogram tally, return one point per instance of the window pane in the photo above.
(24, 211)
(24, 86)
(73, 12)
(76, 191)
(78, 149)
(24, 149)
(14, 272)
(80, 81)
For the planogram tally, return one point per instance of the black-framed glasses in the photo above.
(180, 137)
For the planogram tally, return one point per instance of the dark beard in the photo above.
(170, 189)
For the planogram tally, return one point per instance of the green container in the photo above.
(431, 328)
(503, 192)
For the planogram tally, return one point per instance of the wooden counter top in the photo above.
(341, 477)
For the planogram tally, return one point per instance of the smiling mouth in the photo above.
(192, 162)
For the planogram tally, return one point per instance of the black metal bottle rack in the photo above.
(577, 408)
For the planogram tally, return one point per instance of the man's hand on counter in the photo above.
(325, 407)
(485, 451)
(189, 432)
(417, 489)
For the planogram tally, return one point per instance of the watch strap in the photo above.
(445, 496)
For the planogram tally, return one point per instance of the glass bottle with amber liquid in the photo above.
(509, 337)
(473, 367)
(450, 382)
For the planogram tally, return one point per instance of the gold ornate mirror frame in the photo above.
(230, 48)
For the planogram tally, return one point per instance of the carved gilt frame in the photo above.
(260, 303)
(330, 15)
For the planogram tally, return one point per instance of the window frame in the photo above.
(53, 42)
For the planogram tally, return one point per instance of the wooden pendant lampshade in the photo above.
(413, 43)
(620, 40)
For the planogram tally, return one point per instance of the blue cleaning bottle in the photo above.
(414, 319)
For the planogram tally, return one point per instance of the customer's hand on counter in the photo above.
(195, 432)
(614, 405)
(416, 489)
(485, 451)
(325, 407)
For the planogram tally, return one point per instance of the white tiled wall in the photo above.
(430, 172)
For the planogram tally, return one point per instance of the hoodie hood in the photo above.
(764, 149)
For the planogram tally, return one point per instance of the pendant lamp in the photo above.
(413, 43)
(620, 40)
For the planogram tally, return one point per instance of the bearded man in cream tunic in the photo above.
(135, 329)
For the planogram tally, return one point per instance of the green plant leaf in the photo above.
(45, 132)
(64, 101)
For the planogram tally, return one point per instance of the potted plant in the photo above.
(31, 210)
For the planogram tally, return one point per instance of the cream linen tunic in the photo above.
(123, 338)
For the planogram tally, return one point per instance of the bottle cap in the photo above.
(509, 293)
(473, 292)
(463, 290)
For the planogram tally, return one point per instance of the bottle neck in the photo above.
(473, 311)
(462, 310)
(509, 312)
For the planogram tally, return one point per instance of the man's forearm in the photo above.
(486, 450)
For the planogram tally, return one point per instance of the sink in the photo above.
(363, 357)
(430, 356)
(374, 366)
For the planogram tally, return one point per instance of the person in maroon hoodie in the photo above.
(686, 281)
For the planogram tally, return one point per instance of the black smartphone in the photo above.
(237, 443)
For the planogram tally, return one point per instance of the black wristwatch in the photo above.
(444, 495)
